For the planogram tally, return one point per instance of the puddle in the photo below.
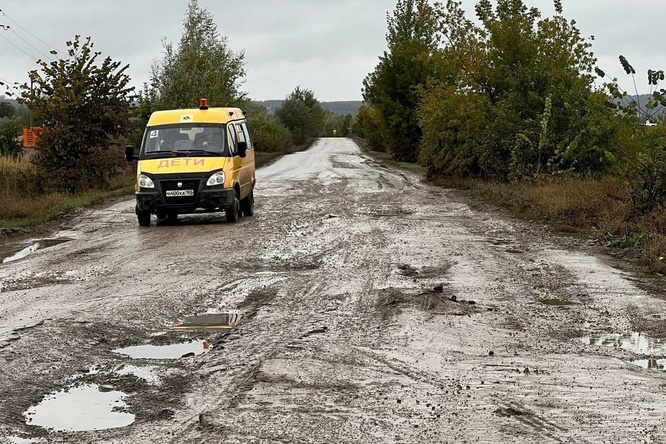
(172, 351)
(635, 342)
(36, 245)
(17, 440)
(651, 364)
(145, 373)
(80, 409)
(210, 321)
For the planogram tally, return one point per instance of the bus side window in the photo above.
(234, 142)
(241, 134)
(247, 135)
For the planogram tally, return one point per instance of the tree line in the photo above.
(509, 96)
(84, 103)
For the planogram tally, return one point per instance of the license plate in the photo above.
(180, 193)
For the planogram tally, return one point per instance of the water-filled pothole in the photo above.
(19, 440)
(210, 321)
(146, 373)
(651, 364)
(78, 409)
(638, 343)
(171, 351)
(34, 246)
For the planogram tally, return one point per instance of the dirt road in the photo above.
(373, 309)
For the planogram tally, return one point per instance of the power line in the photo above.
(28, 32)
(17, 47)
(28, 43)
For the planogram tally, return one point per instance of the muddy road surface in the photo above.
(358, 305)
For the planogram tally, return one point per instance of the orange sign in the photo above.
(30, 136)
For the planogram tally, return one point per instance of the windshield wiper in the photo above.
(162, 154)
(199, 153)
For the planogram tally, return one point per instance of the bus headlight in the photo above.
(146, 182)
(216, 179)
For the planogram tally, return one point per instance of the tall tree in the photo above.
(85, 107)
(302, 114)
(392, 88)
(521, 96)
(201, 66)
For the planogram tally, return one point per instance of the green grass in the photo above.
(42, 209)
(262, 158)
(581, 207)
(65, 205)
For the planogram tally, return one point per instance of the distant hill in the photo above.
(341, 108)
(643, 100)
(4, 98)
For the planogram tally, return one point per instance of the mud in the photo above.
(34, 246)
(375, 308)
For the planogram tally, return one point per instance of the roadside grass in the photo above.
(587, 207)
(576, 206)
(21, 205)
(17, 175)
(573, 206)
(263, 158)
(386, 159)
(50, 207)
(570, 204)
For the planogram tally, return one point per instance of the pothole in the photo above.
(635, 342)
(171, 351)
(210, 321)
(35, 246)
(145, 373)
(19, 440)
(79, 409)
(651, 364)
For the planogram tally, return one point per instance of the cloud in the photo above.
(328, 46)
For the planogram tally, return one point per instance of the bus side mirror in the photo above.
(129, 153)
(242, 149)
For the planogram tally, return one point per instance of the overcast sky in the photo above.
(328, 46)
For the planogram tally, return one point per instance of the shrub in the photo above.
(85, 107)
(268, 133)
(10, 134)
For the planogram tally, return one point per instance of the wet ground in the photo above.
(357, 305)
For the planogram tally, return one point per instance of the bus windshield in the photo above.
(187, 139)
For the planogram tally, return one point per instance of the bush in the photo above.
(268, 134)
(10, 136)
(86, 107)
(371, 127)
(302, 114)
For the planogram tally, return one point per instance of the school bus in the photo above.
(194, 160)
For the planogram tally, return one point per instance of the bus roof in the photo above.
(195, 115)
